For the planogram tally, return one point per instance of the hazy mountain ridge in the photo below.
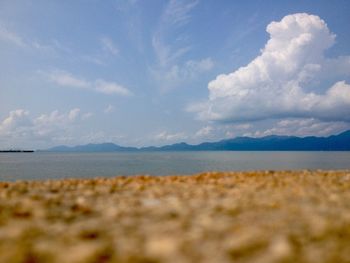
(340, 142)
(91, 147)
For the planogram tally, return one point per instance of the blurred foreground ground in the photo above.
(301, 216)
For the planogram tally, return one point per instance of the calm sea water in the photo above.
(28, 166)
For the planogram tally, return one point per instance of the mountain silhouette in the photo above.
(340, 142)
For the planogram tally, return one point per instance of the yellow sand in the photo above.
(300, 216)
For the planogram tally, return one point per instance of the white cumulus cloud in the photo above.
(170, 137)
(16, 118)
(74, 114)
(19, 128)
(285, 80)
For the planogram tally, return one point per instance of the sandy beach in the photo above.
(265, 216)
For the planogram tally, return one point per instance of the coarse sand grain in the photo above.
(262, 216)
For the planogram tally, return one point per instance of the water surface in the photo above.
(39, 165)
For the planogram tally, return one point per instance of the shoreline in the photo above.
(255, 216)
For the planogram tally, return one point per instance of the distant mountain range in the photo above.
(340, 142)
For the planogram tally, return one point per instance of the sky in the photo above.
(140, 73)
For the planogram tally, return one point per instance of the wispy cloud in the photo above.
(171, 46)
(98, 60)
(165, 53)
(103, 54)
(105, 87)
(67, 79)
(176, 75)
(53, 46)
(109, 45)
(109, 109)
(11, 37)
(131, 15)
(177, 13)
(166, 41)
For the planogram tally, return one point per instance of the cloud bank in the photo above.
(302, 127)
(286, 80)
(20, 128)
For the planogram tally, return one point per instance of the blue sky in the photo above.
(155, 72)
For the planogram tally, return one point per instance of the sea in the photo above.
(44, 165)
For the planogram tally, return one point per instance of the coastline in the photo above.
(257, 216)
(16, 151)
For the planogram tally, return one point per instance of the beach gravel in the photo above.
(264, 216)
